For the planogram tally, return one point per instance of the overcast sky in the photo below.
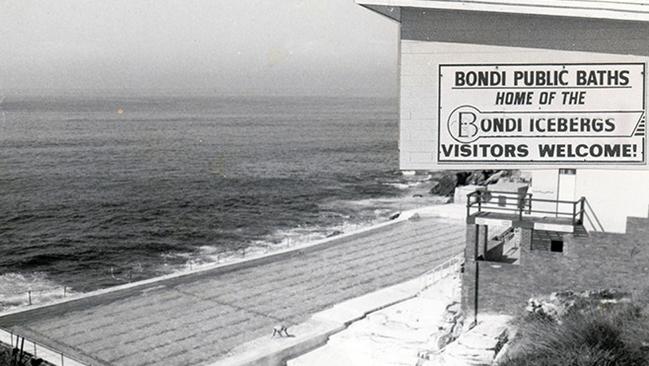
(285, 47)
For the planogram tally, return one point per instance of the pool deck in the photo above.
(199, 318)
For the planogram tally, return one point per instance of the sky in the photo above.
(226, 47)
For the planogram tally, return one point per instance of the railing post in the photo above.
(581, 209)
(574, 212)
(29, 295)
(479, 194)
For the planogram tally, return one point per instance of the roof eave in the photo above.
(564, 8)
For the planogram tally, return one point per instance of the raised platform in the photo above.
(559, 224)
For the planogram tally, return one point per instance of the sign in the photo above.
(542, 114)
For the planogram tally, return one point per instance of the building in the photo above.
(433, 33)
(460, 60)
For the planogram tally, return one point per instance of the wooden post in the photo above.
(581, 210)
(29, 295)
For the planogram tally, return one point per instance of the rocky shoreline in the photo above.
(445, 182)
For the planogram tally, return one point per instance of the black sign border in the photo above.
(544, 162)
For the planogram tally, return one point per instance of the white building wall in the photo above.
(612, 195)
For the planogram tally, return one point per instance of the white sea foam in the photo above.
(401, 185)
(15, 290)
(359, 214)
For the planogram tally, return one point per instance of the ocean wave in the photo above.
(347, 216)
(20, 289)
(402, 185)
(350, 216)
(281, 239)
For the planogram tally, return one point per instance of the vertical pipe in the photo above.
(558, 190)
(22, 350)
(485, 241)
(475, 292)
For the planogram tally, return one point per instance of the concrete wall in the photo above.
(601, 260)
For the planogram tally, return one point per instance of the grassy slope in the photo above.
(598, 335)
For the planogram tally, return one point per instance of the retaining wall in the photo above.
(596, 261)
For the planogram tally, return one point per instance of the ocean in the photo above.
(100, 191)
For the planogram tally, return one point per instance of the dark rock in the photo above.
(494, 178)
(334, 233)
(445, 185)
(415, 217)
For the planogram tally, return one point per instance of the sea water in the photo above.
(99, 191)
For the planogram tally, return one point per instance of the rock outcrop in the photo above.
(477, 346)
(560, 304)
(447, 181)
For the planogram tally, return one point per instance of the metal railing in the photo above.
(38, 350)
(521, 204)
(442, 270)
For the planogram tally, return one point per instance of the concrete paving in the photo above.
(199, 319)
(391, 336)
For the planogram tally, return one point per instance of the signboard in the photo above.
(542, 114)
